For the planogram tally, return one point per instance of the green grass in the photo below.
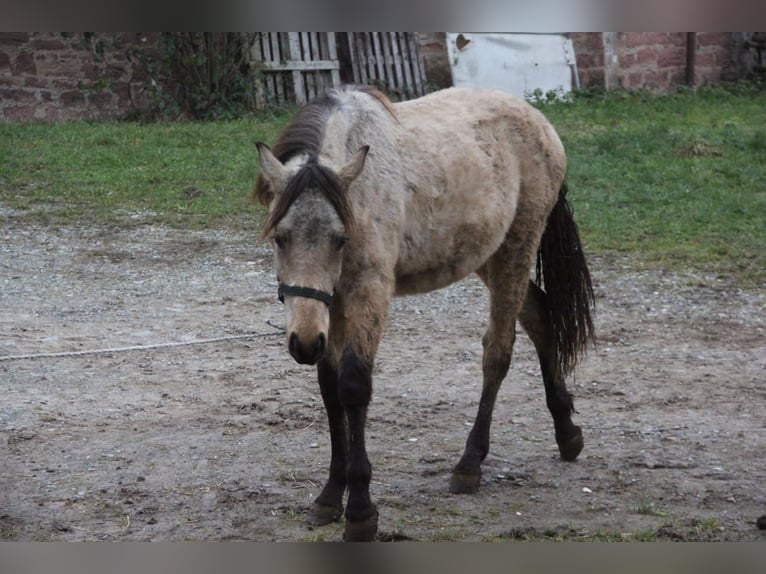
(182, 173)
(677, 180)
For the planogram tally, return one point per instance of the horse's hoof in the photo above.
(362, 530)
(570, 447)
(322, 514)
(464, 483)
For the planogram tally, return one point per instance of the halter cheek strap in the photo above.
(295, 291)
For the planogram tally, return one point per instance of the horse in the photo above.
(369, 199)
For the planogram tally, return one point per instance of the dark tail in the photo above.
(563, 273)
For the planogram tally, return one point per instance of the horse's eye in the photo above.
(280, 241)
(340, 243)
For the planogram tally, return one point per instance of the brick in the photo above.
(35, 82)
(20, 113)
(72, 98)
(25, 64)
(656, 79)
(18, 95)
(671, 57)
(5, 63)
(627, 60)
(62, 65)
(48, 44)
(646, 56)
(101, 100)
(52, 113)
(633, 80)
(713, 39)
(13, 38)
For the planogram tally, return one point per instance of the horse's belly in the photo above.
(445, 256)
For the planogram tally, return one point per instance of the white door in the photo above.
(515, 63)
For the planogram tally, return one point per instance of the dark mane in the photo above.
(305, 132)
(312, 176)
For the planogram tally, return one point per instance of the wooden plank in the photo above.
(397, 57)
(380, 59)
(352, 52)
(388, 63)
(611, 80)
(275, 57)
(406, 59)
(256, 52)
(256, 56)
(332, 55)
(363, 57)
(294, 43)
(301, 65)
(314, 47)
(417, 69)
(305, 48)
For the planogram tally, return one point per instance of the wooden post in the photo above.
(611, 82)
(691, 54)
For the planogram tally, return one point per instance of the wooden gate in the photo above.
(293, 67)
(388, 60)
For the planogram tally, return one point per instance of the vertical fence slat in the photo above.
(332, 55)
(352, 54)
(379, 59)
(294, 42)
(275, 57)
(397, 56)
(406, 57)
(364, 57)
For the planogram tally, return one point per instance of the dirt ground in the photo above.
(227, 440)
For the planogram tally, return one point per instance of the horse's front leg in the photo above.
(328, 506)
(366, 309)
(355, 391)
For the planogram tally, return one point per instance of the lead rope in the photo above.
(63, 354)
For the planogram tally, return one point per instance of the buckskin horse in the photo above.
(368, 200)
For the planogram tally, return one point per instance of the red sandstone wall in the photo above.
(656, 60)
(54, 76)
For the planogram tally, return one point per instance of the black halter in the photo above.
(294, 291)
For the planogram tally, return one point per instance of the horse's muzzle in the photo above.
(307, 354)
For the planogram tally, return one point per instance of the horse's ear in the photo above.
(349, 172)
(271, 168)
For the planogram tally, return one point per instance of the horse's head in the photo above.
(309, 223)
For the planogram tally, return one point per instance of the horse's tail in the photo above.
(563, 273)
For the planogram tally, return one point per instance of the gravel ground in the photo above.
(226, 440)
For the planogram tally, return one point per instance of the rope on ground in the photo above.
(63, 354)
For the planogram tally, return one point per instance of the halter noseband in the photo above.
(295, 291)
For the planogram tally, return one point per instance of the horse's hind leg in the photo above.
(534, 319)
(507, 278)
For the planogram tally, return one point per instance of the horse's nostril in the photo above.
(321, 344)
(293, 343)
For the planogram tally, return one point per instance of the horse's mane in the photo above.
(305, 132)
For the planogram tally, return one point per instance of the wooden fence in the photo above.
(389, 60)
(295, 66)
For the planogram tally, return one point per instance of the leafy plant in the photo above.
(186, 75)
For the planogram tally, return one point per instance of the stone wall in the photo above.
(60, 76)
(657, 60)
